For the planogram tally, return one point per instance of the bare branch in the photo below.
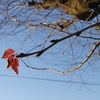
(71, 70)
(54, 42)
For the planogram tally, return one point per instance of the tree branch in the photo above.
(87, 16)
(71, 70)
(54, 42)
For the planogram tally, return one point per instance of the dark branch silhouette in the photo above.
(54, 42)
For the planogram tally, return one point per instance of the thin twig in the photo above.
(71, 70)
(54, 42)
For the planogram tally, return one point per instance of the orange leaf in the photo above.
(9, 60)
(15, 68)
(15, 64)
(8, 52)
(8, 63)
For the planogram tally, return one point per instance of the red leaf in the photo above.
(8, 52)
(15, 64)
(15, 68)
(9, 60)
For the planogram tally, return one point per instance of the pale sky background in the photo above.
(29, 87)
(83, 84)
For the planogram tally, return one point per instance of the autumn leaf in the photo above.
(15, 68)
(15, 64)
(12, 60)
(7, 53)
(9, 60)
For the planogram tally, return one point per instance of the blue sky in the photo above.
(46, 85)
(17, 88)
(23, 89)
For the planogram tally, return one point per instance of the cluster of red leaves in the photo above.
(12, 60)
